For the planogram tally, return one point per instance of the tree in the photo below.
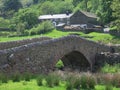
(12, 5)
(20, 27)
(76, 2)
(35, 1)
(83, 5)
(63, 6)
(116, 12)
(27, 16)
(47, 7)
(105, 11)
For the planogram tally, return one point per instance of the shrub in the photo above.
(16, 77)
(76, 83)
(69, 86)
(116, 80)
(59, 64)
(50, 81)
(56, 79)
(83, 82)
(72, 82)
(3, 78)
(108, 87)
(24, 83)
(44, 27)
(91, 82)
(113, 28)
(33, 31)
(87, 82)
(27, 76)
(40, 80)
(99, 78)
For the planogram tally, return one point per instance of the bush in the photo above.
(83, 82)
(113, 28)
(40, 80)
(44, 27)
(56, 79)
(50, 81)
(91, 82)
(116, 80)
(3, 78)
(27, 76)
(16, 77)
(53, 80)
(32, 31)
(87, 82)
(72, 82)
(108, 87)
(59, 64)
(76, 83)
(69, 86)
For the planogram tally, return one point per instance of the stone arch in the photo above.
(75, 60)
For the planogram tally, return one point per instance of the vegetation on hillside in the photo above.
(98, 37)
(23, 14)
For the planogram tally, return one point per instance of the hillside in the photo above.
(21, 17)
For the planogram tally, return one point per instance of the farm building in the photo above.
(79, 18)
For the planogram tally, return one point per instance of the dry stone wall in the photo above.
(107, 57)
(41, 57)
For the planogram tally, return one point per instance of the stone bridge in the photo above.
(42, 55)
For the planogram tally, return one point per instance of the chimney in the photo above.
(67, 13)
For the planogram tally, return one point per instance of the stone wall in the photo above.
(116, 47)
(107, 57)
(114, 32)
(7, 45)
(41, 57)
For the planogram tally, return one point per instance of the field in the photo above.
(98, 37)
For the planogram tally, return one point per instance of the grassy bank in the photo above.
(32, 85)
(98, 37)
(69, 81)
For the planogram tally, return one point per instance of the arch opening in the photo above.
(75, 61)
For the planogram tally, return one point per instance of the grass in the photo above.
(101, 37)
(101, 87)
(110, 68)
(6, 39)
(98, 37)
(65, 81)
(32, 85)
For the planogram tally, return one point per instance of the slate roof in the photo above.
(88, 14)
(55, 16)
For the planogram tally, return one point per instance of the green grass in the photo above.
(98, 37)
(101, 37)
(52, 34)
(32, 85)
(5, 39)
(110, 68)
(101, 87)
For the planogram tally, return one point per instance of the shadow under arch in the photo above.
(75, 61)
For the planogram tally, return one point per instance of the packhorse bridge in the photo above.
(41, 55)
